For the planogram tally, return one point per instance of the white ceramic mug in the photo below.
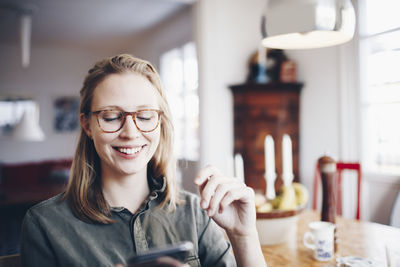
(321, 240)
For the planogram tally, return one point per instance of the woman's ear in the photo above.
(85, 123)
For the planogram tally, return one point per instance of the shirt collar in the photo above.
(157, 188)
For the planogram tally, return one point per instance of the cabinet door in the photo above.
(258, 114)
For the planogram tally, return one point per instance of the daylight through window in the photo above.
(179, 73)
(380, 85)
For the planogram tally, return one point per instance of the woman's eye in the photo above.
(111, 116)
(143, 118)
(110, 119)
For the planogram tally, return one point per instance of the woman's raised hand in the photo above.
(228, 201)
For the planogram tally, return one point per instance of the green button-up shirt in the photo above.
(53, 236)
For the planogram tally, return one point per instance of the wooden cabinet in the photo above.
(260, 110)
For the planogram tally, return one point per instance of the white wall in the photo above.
(319, 108)
(172, 33)
(55, 71)
(227, 34)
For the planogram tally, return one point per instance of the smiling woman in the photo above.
(122, 198)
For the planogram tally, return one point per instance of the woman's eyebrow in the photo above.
(147, 106)
(109, 107)
(120, 108)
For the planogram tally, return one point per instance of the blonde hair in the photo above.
(84, 192)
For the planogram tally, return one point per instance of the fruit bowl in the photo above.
(277, 226)
(277, 218)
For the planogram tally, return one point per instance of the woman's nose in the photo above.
(129, 128)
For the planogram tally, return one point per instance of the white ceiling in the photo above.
(85, 22)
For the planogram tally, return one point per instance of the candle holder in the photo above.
(287, 178)
(270, 185)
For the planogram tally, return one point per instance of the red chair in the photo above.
(340, 167)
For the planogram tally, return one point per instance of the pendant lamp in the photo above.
(24, 13)
(28, 129)
(25, 37)
(305, 24)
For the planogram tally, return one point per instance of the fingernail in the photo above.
(204, 204)
(209, 212)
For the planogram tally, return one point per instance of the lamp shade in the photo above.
(305, 24)
(28, 129)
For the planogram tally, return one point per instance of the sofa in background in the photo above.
(21, 186)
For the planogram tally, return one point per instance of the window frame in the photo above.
(186, 91)
(363, 40)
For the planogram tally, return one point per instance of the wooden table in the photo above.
(356, 238)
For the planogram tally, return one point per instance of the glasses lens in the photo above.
(110, 120)
(147, 120)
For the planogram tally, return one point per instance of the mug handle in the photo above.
(306, 238)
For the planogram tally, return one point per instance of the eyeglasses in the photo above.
(112, 120)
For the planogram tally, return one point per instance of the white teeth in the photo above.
(129, 151)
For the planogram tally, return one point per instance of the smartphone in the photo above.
(178, 251)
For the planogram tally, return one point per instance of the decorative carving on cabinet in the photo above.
(260, 110)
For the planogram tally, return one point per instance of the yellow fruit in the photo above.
(259, 199)
(266, 207)
(301, 194)
(276, 201)
(288, 201)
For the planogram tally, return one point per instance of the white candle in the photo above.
(270, 175)
(287, 163)
(269, 151)
(239, 167)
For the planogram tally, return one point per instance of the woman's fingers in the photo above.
(208, 191)
(245, 194)
(207, 180)
(228, 201)
(214, 188)
(205, 174)
(222, 191)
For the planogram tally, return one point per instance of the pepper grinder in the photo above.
(328, 175)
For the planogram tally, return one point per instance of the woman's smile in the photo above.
(129, 151)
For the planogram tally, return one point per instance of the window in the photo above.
(380, 85)
(11, 110)
(179, 73)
